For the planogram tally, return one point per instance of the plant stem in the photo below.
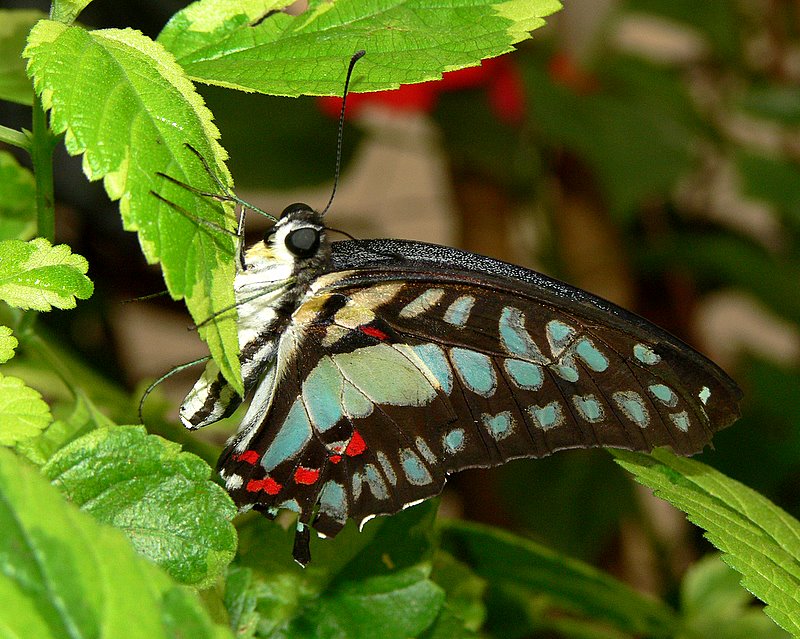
(42, 143)
(14, 138)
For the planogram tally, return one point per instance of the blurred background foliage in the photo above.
(647, 150)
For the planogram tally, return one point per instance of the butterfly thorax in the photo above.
(274, 276)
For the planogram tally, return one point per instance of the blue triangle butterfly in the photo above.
(378, 367)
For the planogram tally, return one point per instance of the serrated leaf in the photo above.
(7, 344)
(14, 27)
(713, 604)
(573, 589)
(161, 497)
(126, 106)
(84, 418)
(254, 46)
(23, 412)
(68, 10)
(759, 539)
(64, 575)
(17, 203)
(40, 276)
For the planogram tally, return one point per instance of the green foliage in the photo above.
(129, 519)
(759, 539)
(161, 497)
(65, 575)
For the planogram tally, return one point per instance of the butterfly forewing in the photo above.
(406, 363)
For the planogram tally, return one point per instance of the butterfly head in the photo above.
(297, 239)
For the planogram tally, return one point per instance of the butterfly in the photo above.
(379, 367)
(376, 368)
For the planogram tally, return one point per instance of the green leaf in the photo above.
(571, 589)
(17, 203)
(463, 612)
(161, 497)
(67, 10)
(772, 179)
(713, 604)
(7, 344)
(779, 102)
(84, 418)
(64, 575)
(759, 539)
(357, 582)
(122, 101)
(37, 275)
(14, 27)
(254, 46)
(23, 412)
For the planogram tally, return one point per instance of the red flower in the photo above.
(498, 76)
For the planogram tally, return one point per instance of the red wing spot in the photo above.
(356, 446)
(248, 456)
(306, 476)
(374, 332)
(268, 485)
(335, 459)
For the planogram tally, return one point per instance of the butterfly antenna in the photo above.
(165, 376)
(356, 57)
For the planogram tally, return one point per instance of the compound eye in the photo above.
(303, 242)
(297, 207)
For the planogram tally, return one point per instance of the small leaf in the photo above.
(37, 275)
(759, 539)
(161, 497)
(7, 344)
(23, 412)
(14, 27)
(65, 575)
(67, 10)
(123, 103)
(257, 47)
(573, 590)
(17, 204)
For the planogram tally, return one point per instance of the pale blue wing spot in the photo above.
(632, 404)
(375, 482)
(566, 372)
(664, 394)
(525, 374)
(290, 504)
(387, 468)
(645, 354)
(435, 359)
(515, 338)
(547, 416)
(294, 433)
(454, 440)
(500, 425)
(424, 449)
(423, 303)
(559, 335)
(356, 482)
(589, 353)
(413, 468)
(322, 392)
(704, 394)
(589, 408)
(384, 375)
(681, 420)
(475, 370)
(333, 502)
(355, 404)
(458, 312)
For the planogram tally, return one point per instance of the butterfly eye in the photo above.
(303, 242)
(297, 207)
